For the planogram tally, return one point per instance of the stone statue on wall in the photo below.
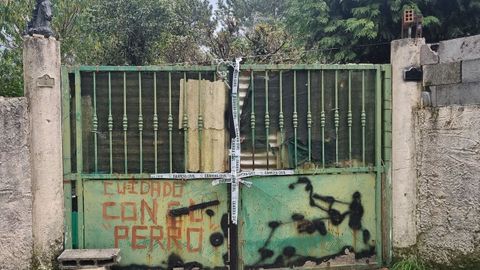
(41, 18)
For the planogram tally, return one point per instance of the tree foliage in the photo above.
(250, 12)
(148, 32)
(114, 32)
(361, 30)
(253, 29)
(11, 74)
(14, 16)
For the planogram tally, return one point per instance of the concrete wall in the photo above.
(436, 203)
(448, 202)
(16, 240)
(406, 97)
(31, 174)
(41, 67)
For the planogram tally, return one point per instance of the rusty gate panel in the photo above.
(297, 221)
(158, 224)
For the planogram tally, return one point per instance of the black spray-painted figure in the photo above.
(41, 17)
(289, 256)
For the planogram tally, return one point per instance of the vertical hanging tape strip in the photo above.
(235, 151)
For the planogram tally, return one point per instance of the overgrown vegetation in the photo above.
(148, 32)
(411, 263)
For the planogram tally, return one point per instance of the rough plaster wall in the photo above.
(406, 97)
(15, 186)
(448, 206)
(41, 59)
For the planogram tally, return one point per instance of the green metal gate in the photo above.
(146, 165)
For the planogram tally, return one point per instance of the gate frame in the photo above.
(383, 144)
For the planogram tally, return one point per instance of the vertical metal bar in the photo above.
(185, 122)
(350, 116)
(336, 117)
(200, 118)
(170, 122)
(67, 202)
(110, 121)
(281, 119)
(125, 123)
(67, 158)
(267, 120)
(95, 123)
(387, 148)
(295, 116)
(252, 117)
(363, 118)
(323, 119)
(309, 118)
(79, 153)
(140, 119)
(155, 121)
(378, 162)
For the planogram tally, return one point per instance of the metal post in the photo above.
(252, 117)
(110, 122)
(140, 119)
(267, 120)
(155, 121)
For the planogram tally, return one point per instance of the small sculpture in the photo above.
(41, 18)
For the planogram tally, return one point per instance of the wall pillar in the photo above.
(406, 98)
(41, 60)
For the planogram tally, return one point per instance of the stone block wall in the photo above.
(16, 240)
(451, 75)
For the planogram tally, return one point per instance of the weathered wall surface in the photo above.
(452, 75)
(16, 239)
(446, 155)
(41, 66)
(448, 200)
(406, 96)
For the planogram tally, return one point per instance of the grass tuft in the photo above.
(411, 263)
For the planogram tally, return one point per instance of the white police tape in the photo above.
(189, 176)
(266, 173)
(235, 151)
(217, 182)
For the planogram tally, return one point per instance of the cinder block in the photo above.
(448, 73)
(471, 71)
(88, 258)
(457, 94)
(459, 49)
(428, 56)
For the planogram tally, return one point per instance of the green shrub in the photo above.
(11, 74)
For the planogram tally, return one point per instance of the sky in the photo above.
(213, 3)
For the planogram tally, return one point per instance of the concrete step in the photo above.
(88, 258)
